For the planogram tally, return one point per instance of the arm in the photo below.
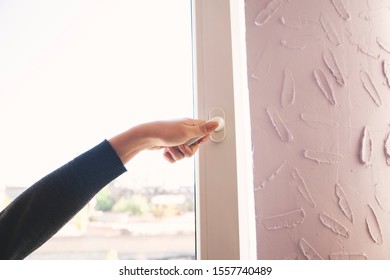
(168, 135)
(40, 211)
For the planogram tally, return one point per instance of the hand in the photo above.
(173, 136)
(202, 129)
(168, 135)
(176, 132)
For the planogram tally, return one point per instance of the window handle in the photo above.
(220, 133)
(220, 128)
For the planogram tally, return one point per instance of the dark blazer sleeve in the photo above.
(40, 211)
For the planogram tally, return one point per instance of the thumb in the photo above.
(206, 128)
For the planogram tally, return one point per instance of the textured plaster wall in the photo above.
(318, 74)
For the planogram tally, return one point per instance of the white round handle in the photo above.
(220, 121)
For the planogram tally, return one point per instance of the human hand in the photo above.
(171, 136)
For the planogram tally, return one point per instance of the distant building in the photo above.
(8, 194)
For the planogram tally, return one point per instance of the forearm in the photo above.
(129, 143)
(40, 211)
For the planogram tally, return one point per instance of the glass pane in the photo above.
(75, 72)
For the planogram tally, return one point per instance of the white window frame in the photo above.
(225, 206)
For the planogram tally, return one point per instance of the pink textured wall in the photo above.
(318, 73)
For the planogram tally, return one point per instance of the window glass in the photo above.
(75, 72)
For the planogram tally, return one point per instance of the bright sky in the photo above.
(75, 72)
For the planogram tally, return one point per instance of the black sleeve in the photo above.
(40, 211)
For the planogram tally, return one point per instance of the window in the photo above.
(75, 72)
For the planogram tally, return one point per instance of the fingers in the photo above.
(173, 154)
(205, 128)
(168, 156)
(204, 139)
(198, 128)
(209, 127)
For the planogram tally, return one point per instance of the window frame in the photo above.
(225, 216)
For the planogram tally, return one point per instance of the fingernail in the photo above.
(211, 125)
